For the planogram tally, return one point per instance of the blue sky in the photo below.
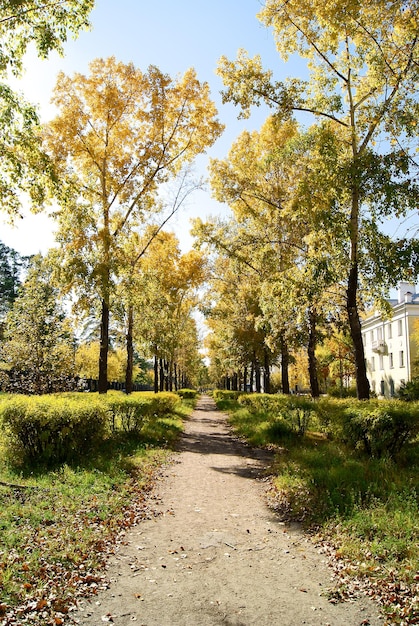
(174, 35)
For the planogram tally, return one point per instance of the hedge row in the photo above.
(59, 428)
(377, 427)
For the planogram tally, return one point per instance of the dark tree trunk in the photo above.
(156, 374)
(245, 379)
(235, 382)
(170, 376)
(285, 360)
(311, 351)
(103, 351)
(161, 375)
(266, 372)
(362, 383)
(257, 378)
(252, 377)
(130, 351)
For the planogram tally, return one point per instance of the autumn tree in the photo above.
(165, 301)
(134, 247)
(362, 78)
(290, 234)
(39, 343)
(120, 134)
(238, 343)
(23, 165)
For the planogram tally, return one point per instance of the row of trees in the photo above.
(42, 349)
(121, 135)
(306, 243)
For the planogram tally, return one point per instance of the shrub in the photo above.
(224, 394)
(379, 427)
(52, 429)
(409, 392)
(128, 413)
(296, 411)
(187, 394)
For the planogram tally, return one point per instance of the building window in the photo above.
(373, 363)
(390, 359)
(382, 388)
(400, 327)
(401, 358)
(372, 336)
(392, 388)
(381, 358)
(379, 333)
(389, 331)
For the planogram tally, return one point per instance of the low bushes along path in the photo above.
(216, 554)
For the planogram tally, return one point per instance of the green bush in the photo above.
(296, 411)
(378, 427)
(187, 394)
(126, 413)
(161, 403)
(129, 413)
(409, 392)
(224, 394)
(48, 429)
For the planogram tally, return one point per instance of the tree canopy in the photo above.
(362, 61)
(25, 171)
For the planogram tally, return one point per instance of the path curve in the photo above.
(216, 555)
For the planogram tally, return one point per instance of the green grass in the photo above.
(366, 508)
(57, 526)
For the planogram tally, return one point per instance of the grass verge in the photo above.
(57, 527)
(364, 512)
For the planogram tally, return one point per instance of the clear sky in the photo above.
(173, 35)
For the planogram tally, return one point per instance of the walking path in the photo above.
(216, 555)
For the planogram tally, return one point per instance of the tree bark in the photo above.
(257, 377)
(156, 374)
(266, 372)
(130, 351)
(285, 359)
(362, 383)
(311, 352)
(245, 379)
(103, 352)
(161, 375)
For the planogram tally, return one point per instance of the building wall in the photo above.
(389, 347)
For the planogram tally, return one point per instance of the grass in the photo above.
(367, 509)
(57, 526)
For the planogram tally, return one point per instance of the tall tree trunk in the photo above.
(170, 376)
(245, 379)
(156, 374)
(285, 361)
(362, 383)
(103, 351)
(257, 377)
(175, 375)
(266, 372)
(130, 351)
(161, 375)
(252, 376)
(311, 352)
(235, 382)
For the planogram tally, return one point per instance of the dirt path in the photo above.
(216, 554)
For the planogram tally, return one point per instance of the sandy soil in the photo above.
(216, 554)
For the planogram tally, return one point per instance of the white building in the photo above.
(389, 348)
